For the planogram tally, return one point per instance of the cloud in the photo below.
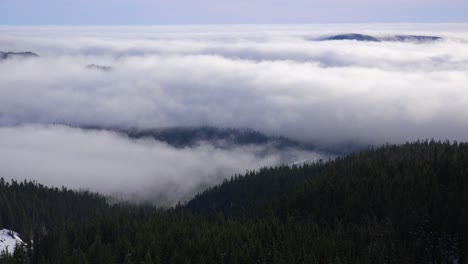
(268, 78)
(141, 170)
(272, 81)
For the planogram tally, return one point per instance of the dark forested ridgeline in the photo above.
(394, 204)
(34, 210)
(228, 138)
(29, 206)
(181, 137)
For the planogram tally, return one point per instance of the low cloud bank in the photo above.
(395, 100)
(137, 170)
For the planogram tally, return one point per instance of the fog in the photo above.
(142, 170)
(274, 79)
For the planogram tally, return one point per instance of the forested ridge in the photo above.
(29, 206)
(393, 204)
(220, 137)
(181, 137)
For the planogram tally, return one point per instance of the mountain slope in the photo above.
(220, 137)
(226, 138)
(416, 192)
(351, 36)
(394, 204)
(28, 206)
(394, 38)
(8, 240)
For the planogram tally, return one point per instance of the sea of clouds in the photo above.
(274, 79)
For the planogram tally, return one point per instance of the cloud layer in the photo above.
(273, 79)
(109, 163)
(270, 80)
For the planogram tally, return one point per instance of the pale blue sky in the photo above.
(109, 12)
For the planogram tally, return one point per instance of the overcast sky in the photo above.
(107, 12)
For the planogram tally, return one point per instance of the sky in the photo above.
(156, 12)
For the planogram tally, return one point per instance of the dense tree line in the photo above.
(394, 204)
(29, 206)
(181, 137)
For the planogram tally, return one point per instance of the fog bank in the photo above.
(138, 170)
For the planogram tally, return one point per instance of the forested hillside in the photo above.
(30, 206)
(181, 137)
(394, 204)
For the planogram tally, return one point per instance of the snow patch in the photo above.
(8, 240)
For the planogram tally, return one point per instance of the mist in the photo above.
(274, 79)
(144, 170)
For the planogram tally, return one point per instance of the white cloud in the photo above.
(112, 164)
(269, 78)
(273, 81)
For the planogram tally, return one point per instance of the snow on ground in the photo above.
(8, 240)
